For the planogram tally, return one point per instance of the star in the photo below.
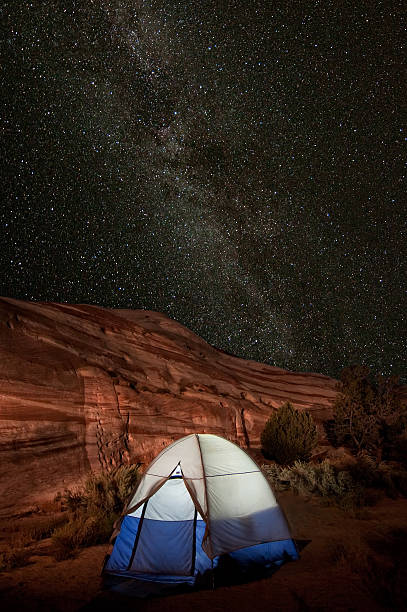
(240, 170)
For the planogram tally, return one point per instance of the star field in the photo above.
(237, 165)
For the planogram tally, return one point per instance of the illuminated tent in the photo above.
(203, 499)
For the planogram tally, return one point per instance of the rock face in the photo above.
(83, 387)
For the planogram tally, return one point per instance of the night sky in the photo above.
(239, 166)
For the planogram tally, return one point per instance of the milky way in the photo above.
(237, 165)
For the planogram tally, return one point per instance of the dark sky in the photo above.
(237, 165)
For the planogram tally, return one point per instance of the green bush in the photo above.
(93, 509)
(289, 435)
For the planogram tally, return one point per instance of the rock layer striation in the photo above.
(83, 388)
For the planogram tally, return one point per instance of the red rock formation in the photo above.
(83, 387)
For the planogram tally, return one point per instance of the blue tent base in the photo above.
(130, 569)
(141, 589)
(120, 592)
(227, 573)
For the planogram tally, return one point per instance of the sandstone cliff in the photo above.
(83, 387)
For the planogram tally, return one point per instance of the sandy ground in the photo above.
(347, 563)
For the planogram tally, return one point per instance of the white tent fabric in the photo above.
(223, 483)
(172, 502)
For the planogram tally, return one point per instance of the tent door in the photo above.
(166, 538)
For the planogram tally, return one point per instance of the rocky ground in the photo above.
(349, 561)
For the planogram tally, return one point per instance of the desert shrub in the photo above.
(368, 416)
(12, 558)
(93, 509)
(321, 479)
(16, 554)
(66, 540)
(387, 477)
(107, 490)
(362, 484)
(289, 435)
(81, 531)
(46, 528)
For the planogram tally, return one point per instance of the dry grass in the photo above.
(16, 553)
(52, 506)
(93, 509)
(46, 527)
(79, 518)
(21, 537)
(81, 531)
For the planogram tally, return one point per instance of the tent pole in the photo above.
(138, 535)
(194, 543)
(212, 576)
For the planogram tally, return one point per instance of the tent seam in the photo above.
(206, 491)
(145, 499)
(212, 475)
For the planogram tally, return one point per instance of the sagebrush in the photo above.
(361, 484)
(318, 479)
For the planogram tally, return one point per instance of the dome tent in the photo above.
(202, 499)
